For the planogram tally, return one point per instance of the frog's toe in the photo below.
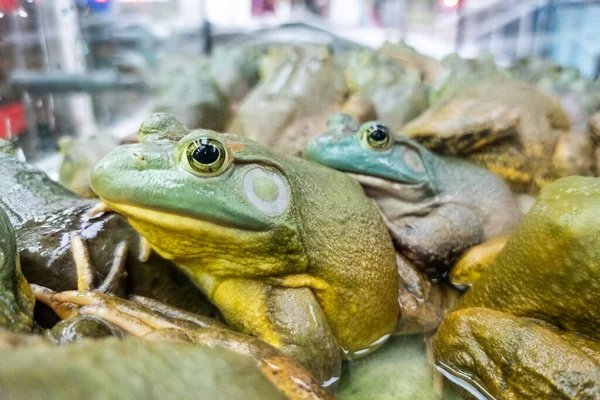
(45, 296)
(132, 316)
(83, 263)
(99, 209)
(145, 249)
(115, 280)
(201, 321)
(122, 320)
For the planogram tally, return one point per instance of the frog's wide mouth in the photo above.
(371, 181)
(171, 221)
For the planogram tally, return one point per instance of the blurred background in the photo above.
(79, 67)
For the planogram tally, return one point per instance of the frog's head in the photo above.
(387, 166)
(204, 198)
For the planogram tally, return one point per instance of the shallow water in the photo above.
(400, 370)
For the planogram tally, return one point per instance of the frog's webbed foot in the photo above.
(139, 316)
(114, 282)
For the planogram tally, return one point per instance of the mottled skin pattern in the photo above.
(16, 298)
(548, 271)
(381, 88)
(503, 124)
(44, 214)
(301, 87)
(435, 207)
(292, 276)
(517, 358)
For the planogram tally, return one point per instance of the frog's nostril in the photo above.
(139, 156)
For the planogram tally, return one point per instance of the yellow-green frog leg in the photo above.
(474, 261)
(290, 318)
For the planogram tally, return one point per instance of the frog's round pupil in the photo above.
(379, 134)
(206, 154)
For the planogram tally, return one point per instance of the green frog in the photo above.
(301, 87)
(16, 298)
(435, 207)
(381, 88)
(481, 113)
(264, 236)
(55, 228)
(528, 327)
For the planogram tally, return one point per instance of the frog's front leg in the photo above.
(289, 318)
(434, 241)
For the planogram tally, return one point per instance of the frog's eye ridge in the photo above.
(377, 137)
(205, 156)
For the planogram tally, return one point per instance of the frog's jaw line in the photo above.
(381, 183)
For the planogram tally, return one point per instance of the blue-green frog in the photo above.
(264, 235)
(435, 207)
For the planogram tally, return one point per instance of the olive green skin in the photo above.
(131, 369)
(436, 207)
(481, 113)
(301, 87)
(44, 214)
(547, 272)
(397, 95)
(16, 298)
(188, 90)
(579, 96)
(291, 276)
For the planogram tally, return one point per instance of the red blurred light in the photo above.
(450, 3)
(100, 1)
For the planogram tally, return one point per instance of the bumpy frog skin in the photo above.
(301, 87)
(533, 308)
(264, 235)
(435, 207)
(16, 298)
(503, 124)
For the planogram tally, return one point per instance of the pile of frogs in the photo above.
(376, 224)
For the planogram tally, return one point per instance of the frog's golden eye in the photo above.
(205, 156)
(377, 137)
